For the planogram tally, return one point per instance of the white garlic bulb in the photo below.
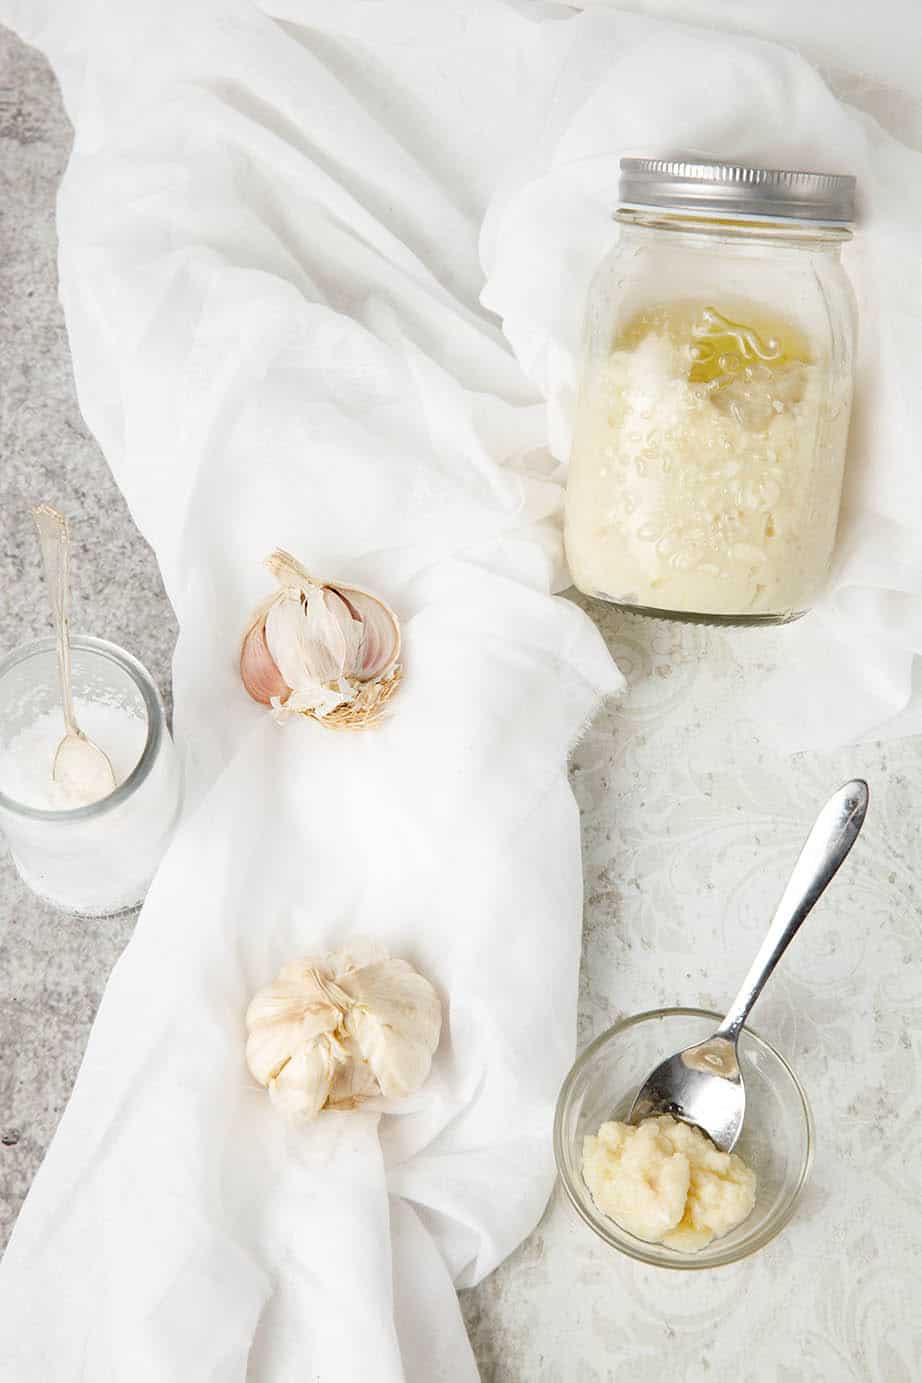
(330, 652)
(339, 1030)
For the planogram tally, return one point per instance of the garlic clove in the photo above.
(258, 669)
(301, 1088)
(379, 648)
(285, 1017)
(354, 1081)
(395, 1019)
(305, 639)
(298, 995)
(350, 625)
(268, 1049)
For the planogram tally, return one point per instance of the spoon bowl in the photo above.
(80, 768)
(703, 1084)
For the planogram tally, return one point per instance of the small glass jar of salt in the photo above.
(94, 859)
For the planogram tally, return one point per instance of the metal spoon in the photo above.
(80, 767)
(703, 1085)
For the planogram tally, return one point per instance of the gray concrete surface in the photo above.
(52, 968)
(688, 835)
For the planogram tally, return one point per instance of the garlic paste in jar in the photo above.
(709, 443)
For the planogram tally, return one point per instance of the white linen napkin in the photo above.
(269, 267)
(269, 270)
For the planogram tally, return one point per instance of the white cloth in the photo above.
(270, 275)
(270, 271)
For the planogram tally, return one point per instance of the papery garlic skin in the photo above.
(258, 670)
(335, 1031)
(321, 650)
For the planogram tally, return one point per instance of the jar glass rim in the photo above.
(699, 219)
(153, 706)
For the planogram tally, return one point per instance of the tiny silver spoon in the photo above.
(80, 767)
(703, 1085)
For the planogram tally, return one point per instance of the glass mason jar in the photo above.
(709, 441)
(98, 859)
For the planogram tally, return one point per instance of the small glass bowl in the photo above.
(776, 1141)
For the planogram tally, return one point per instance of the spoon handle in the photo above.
(833, 834)
(52, 532)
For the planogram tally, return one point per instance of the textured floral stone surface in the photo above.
(690, 825)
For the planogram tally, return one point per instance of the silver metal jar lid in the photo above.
(710, 186)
